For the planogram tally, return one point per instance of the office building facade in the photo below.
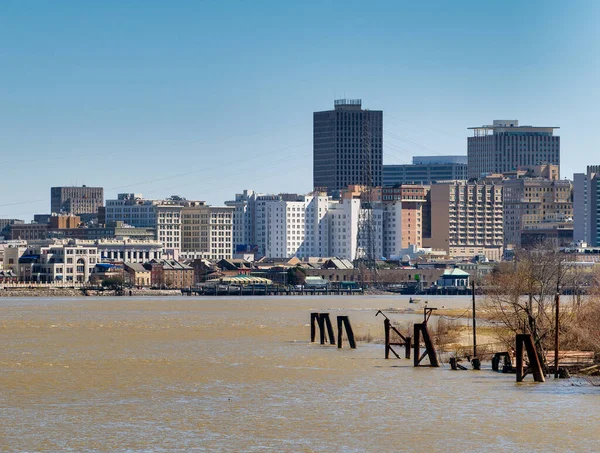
(535, 203)
(426, 170)
(586, 196)
(347, 146)
(505, 146)
(76, 200)
(467, 219)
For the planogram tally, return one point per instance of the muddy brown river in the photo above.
(239, 375)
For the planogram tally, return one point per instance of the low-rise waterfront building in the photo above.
(53, 262)
(135, 274)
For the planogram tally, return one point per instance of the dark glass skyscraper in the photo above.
(341, 141)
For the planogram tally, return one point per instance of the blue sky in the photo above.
(205, 98)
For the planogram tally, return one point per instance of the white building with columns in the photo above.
(126, 250)
(53, 261)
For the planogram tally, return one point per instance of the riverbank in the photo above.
(79, 292)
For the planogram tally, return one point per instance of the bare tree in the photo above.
(521, 295)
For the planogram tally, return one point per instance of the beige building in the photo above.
(137, 275)
(403, 218)
(532, 202)
(466, 219)
(206, 231)
(168, 225)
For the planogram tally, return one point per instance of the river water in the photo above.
(239, 375)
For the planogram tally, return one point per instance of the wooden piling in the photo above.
(344, 322)
(406, 341)
(525, 339)
(323, 321)
(327, 322)
(417, 346)
(421, 330)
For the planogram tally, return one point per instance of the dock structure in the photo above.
(267, 290)
(525, 341)
(421, 330)
(323, 322)
(389, 330)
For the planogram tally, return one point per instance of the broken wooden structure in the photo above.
(389, 330)
(323, 322)
(535, 367)
(506, 362)
(455, 365)
(421, 330)
(344, 322)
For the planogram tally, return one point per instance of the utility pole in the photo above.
(474, 322)
(557, 299)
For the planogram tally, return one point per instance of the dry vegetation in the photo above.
(521, 297)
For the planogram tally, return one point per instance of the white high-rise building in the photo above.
(288, 225)
(243, 232)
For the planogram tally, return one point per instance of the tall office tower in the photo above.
(347, 146)
(505, 146)
(466, 219)
(426, 170)
(76, 200)
(586, 194)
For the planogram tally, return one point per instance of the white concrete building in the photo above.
(126, 250)
(243, 220)
(132, 209)
(288, 225)
(292, 226)
(54, 262)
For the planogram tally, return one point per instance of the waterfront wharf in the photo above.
(268, 290)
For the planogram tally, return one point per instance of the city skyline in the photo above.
(151, 100)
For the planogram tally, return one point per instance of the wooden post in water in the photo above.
(344, 321)
(323, 322)
(417, 346)
(525, 339)
(421, 330)
(386, 326)
(327, 322)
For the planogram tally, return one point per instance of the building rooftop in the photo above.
(511, 126)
